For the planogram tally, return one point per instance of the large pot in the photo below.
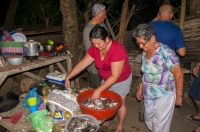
(31, 48)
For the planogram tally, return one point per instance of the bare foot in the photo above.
(119, 129)
(106, 124)
(193, 117)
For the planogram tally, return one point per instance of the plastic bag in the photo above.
(41, 122)
(32, 93)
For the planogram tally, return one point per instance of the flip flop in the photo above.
(192, 118)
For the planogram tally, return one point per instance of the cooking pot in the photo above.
(49, 48)
(31, 48)
(8, 102)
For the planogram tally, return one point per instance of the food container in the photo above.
(14, 59)
(56, 77)
(49, 48)
(91, 118)
(102, 114)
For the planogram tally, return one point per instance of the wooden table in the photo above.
(24, 123)
(28, 65)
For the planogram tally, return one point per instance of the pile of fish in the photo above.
(81, 124)
(101, 103)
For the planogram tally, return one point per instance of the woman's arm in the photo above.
(85, 62)
(116, 69)
(177, 72)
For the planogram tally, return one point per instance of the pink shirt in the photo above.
(117, 52)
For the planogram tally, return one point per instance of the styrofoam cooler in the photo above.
(56, 77)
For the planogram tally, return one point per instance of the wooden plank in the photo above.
(43, 61)
(61, 68)
(51, 68)
(33, 76)
(42, 31)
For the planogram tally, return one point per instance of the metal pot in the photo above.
(49, 48)
(14, 59)
(31, 48)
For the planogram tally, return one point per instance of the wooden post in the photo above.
(182, 17)
(122, 22)
(110, 29)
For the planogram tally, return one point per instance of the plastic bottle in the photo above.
(45, 92)
(53, 87)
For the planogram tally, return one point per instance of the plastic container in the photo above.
(57, 77)
(100, 114)
(32, 101)
(33, 108)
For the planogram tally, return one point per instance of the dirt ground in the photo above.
(132, 123)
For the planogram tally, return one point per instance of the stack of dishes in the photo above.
(19, 37)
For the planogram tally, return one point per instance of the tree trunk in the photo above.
(194, 7)
(70, 30)
(10, 17)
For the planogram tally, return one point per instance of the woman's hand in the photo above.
(67, 83)
(178, 100)
(96, 94)
(139, 94)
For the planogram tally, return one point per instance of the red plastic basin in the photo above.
(100, 114)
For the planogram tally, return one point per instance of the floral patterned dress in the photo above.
(157, 79)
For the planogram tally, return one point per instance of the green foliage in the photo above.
(38, 12)
(177, 9)
(113, 7)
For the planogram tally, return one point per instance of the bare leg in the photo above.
(121, 115)
(198, 129)
(197, 116)
(150, 131)
(197, 104)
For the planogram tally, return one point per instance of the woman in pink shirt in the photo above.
(111, 59)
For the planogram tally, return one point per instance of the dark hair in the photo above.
(144, 31)
(98, 32)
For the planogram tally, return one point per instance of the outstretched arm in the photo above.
(85, 62)
(116, 69)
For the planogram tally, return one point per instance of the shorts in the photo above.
(121, 88)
